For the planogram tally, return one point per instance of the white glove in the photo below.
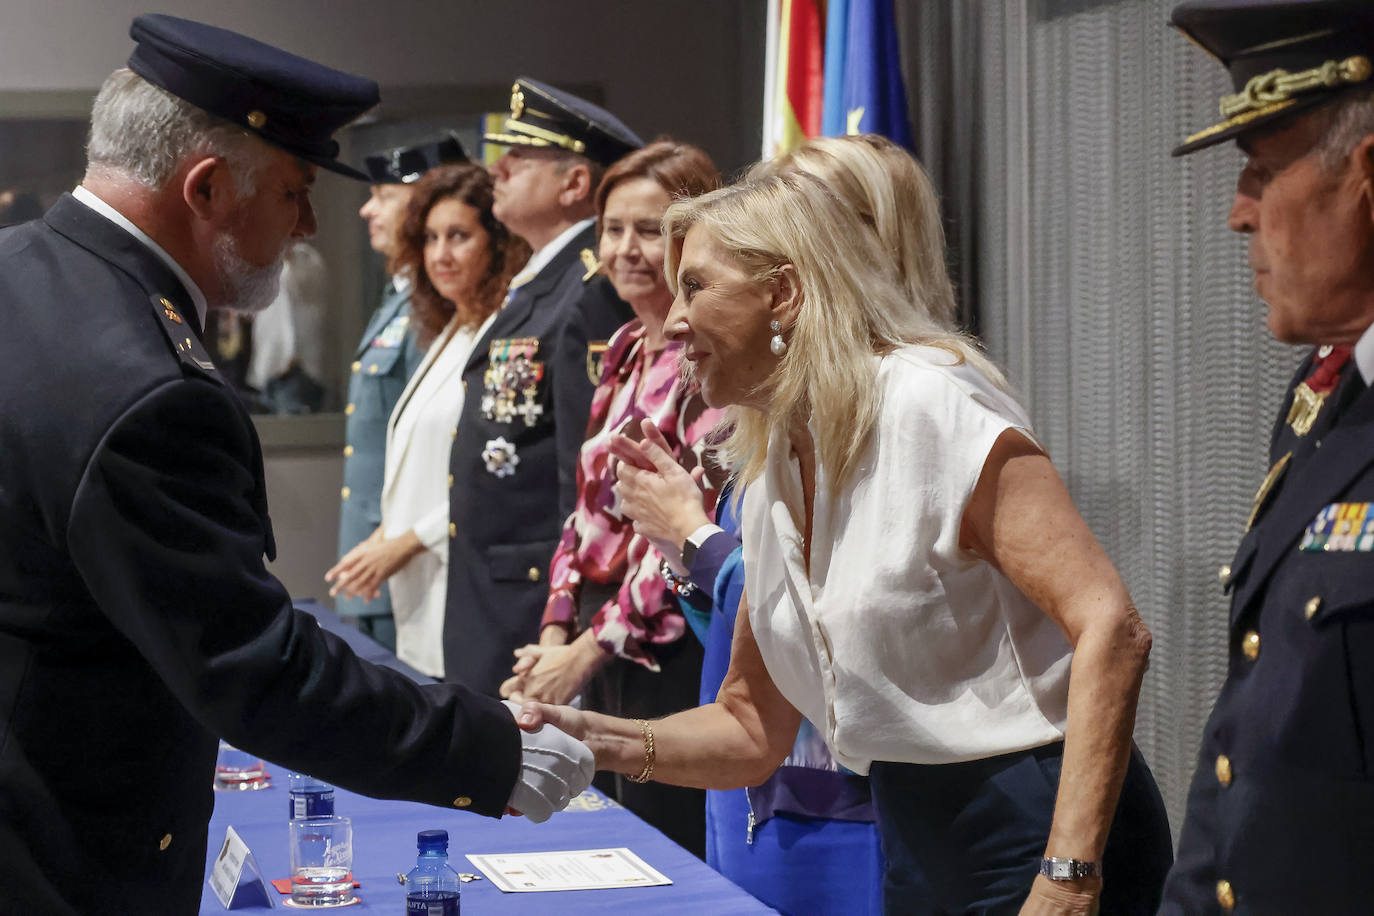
(554, 769)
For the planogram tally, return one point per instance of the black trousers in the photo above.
(624, 688)
(966, 838)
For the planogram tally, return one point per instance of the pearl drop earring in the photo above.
(777, 344)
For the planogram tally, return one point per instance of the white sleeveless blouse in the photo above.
(900, 646)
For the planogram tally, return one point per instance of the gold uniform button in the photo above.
(1226, 896)
(348, 411)
(256, 119)
(462, 801)
(452, 530)
(348, 451)
(344, 493)
(372, 369)
(166, 841)
(1314, 604)
(1224, 575)
(357, 365)
(1249, 645)
(533, 574)
(1223, 770)
(453, 433)
(450, 481)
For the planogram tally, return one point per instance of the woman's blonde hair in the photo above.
(859, 222)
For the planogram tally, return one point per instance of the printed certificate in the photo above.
(572, 870)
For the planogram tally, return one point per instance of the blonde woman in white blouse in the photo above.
(919, 583)
(462, 259)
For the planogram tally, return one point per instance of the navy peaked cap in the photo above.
(405, 164)
(290, 102)
(1284, 56)
(544, 116)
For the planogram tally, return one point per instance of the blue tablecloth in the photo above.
(384, 844)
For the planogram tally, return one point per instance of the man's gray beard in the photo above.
(246, 288)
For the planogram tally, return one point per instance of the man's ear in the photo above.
(208, 189)
(787, 295)
(577, 185)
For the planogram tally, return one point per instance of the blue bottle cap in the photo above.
(432, 840)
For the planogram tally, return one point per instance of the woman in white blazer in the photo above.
(462, 259)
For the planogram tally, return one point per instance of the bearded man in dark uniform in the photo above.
(137, 620)
(1280, 814)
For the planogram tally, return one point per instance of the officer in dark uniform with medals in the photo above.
(529, 389)
(383, 363)
(137, 619)
(1280, 814)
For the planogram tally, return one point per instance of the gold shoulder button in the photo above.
(462, 801)
(1226, 897)
(1223, 768)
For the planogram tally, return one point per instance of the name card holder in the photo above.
(235, 877)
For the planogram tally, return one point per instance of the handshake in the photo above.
(554, 766)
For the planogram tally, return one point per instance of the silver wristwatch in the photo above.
(1057, 869)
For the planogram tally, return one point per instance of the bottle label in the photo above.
(432, 903)
(312, 803)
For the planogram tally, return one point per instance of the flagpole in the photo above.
(770, 81)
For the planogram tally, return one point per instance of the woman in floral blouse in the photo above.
(612, 630)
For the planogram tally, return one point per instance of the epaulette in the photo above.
(184, 342)
(590, 262)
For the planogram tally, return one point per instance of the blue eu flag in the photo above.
(864, 93)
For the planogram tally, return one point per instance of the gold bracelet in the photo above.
(647, 773)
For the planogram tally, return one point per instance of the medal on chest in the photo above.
(511, 382)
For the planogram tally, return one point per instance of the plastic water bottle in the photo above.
(432, 886)
(310, 797)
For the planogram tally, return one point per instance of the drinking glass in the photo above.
(238, 770)
(322, 861)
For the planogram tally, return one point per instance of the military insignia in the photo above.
(590, 262)
(394, 334)
(596, 354)
(187, 348)
(1311, 393)
(517, 101)
(1306, 405)
(511, 383)
(500, 457)
(1345, 527)
(1266, 487)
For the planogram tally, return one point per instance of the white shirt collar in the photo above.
(89, 198)
(1364, 355)
(540, 259)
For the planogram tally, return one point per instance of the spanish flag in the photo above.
(796, 74)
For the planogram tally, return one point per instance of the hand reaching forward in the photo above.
(555, 768)
(361, 571)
